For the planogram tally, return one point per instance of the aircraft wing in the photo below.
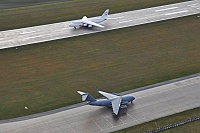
(108, 95)
(92, 23)
(116, 104)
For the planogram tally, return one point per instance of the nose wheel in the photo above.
(74, 27)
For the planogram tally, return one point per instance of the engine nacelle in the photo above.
(123, 106)
(85, 25)
(90, 26)
(124, 103)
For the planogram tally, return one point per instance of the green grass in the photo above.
(192, 127)
(46, 76)
(69, 10)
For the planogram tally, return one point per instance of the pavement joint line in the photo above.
(58, 129)
(107, 121)
(97, 125)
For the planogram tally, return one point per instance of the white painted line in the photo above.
(126, 21)
(176, 12)
(166, 9)
(116, 17)
(27, 32)
(31, 37)
(193, 4)
(150, 16)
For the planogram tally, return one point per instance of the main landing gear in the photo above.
(131, 101)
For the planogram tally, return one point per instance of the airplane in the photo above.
(114, 100)
(90, 22)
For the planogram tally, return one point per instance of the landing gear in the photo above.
(74, 27)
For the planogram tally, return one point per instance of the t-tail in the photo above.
(86, 96)
(105, 14)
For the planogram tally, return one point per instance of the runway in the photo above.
(36, 34)
(150, 104)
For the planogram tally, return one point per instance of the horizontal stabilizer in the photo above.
(83, 94)
(86, 96)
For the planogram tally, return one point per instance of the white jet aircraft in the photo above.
(90, 22)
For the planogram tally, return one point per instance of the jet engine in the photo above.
(123, 106)
(85, 25)
(89, 26)
(124, 103)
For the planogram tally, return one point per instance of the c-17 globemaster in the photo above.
(114, 100)
(90, 22)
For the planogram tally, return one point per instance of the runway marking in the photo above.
(32, 37)
(150, 16)
(176, 12)
(116, 17)
(126, 21)
(166, 9)
(193, 4)
(27, 32)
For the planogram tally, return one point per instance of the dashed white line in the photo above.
(126, 21)
(166, 9)
(116, 17)
(32, 37)
(176, 12)
(27, 32)
(149, 16)
(193, 4)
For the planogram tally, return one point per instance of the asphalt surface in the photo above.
(150, 104)
(31, 35)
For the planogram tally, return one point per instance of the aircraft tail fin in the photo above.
(86, 96)
(105, 14)
(84, 18)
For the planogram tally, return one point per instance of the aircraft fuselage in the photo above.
(80, 23)
(108, 102)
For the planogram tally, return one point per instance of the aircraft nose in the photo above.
(71, 25)
(133, 98)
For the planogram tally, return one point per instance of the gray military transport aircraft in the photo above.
(90, 22)
(114, 100)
